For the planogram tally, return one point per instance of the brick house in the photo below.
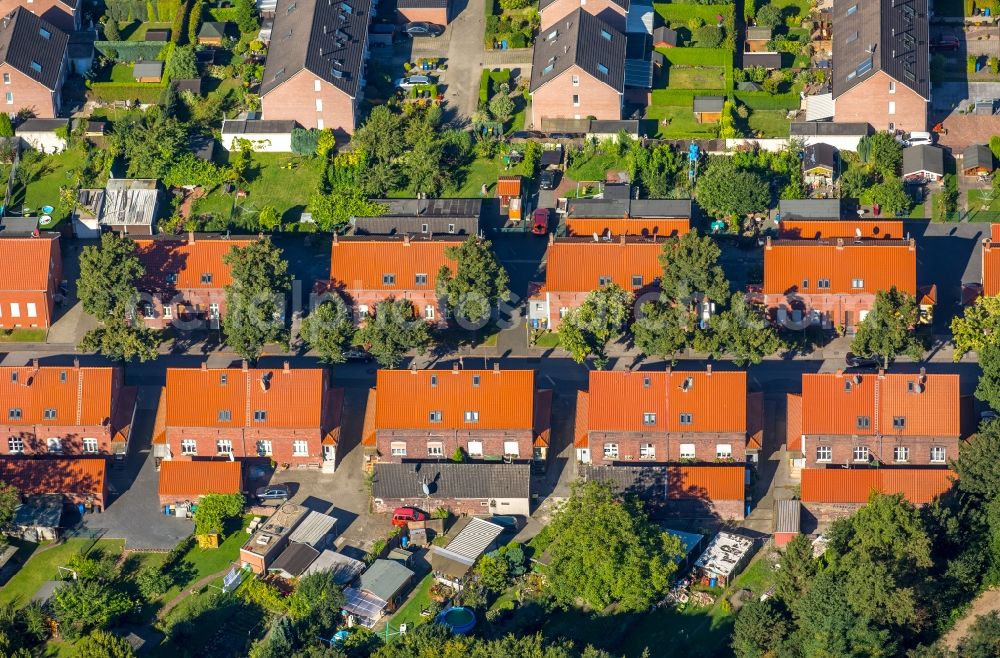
(473, 489)
(30, 274)
(577, 266)
(658, 417)
(366, 270)
(833, 228)
(80, 480)
(834, 493)
(617, 213)
(187, 481)
(713, 491)
(578, 70)
(33, 64)
(612, 12)
(70, 410)
(185, 279)
(833, 283)
(991, 262)
(289, 416)
(881, 63)
(843, 419)
(315, 69)
(64, 14)
(426, 415)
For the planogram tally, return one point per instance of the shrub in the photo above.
(194, 20)
(769, 16)
(995, 146)
(111, 32)
(694, 23)
(518, 40)
(994, 65)
(708, 36)
(970, 64)
(970, 7)
(513, 5)
(484, 88)
(304, 141)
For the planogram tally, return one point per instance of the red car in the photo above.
(540, 221)
(403, 515)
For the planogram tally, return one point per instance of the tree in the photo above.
(6, 128)
(269, 218)
(588, 329)
(255, 298)
(995, 146)
(725, 190)
(708, 36)
(885, 155)
(333, 212)
(605, 551)
(326, 142)
(316, 594)
(769, 16)
(977, 466)
(150, 143)
(887, 330)
(978, 327)
(501, 105)
(854, 182)
(104, 644)
(177, 32)
(392, 332)
(890, 195)
(477, 284)
(194, 20)
(760, 629)
(109, 277)
(740, 331)
(328, 329)
(493, 573)
(304, 141)
(246, 16)
(983, 639)
(663, 328)
(796, 571)
(111, 32)
(988, 386)
(122, 340)
(182, 64)
(152, 582)
(379, 139)
(10, 499)
(691, 270)
(214, 510)
(82, 606)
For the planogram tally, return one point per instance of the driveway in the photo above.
(465, 57)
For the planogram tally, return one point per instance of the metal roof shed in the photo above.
(385, 579)
(345, 569)
(726, 556)
(294, 560)
(787, 521)
(315, 530)
(457, 558)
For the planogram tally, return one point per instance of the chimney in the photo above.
(912, 244)
(190, 237)
(246, 366)
(881, 373)
(284, 367)
(76, 363)
(839, 374)
(767, 243)
(623, 238)
(406, 240)
(454, 368)
(413, 368)
(34, 364)
(840, 243)
(708, 370)
(987, 243)
(204, 365)
(334, 238)
(552, 238)
(923, 372)
(496, 368)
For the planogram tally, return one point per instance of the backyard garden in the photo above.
(510, 24)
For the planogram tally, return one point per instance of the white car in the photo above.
(918, 139)
(412, 81)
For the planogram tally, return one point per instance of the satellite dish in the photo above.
(426, 489)
(857, 232)
(596, 238)
(857, 379)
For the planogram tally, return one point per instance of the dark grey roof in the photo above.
(295, 559)
(385, 578)
(448, 216)
(748, 85)
(828, 129)
(627, 207)
(977, 155)
(758, 33)
(451, 480)
(585, 41)
(708, 103)
(25, 46)
(612, 126)
(881, 35)
(767, 60)
(647, 482)
(809, 208)
(41, 126)
(17, 225)
(789, 516)
(819, 155)
(923, 158)
(213, 29)
(422, 4)
(257, 127)
(188, 84)
(147, 69)
(326, 37)
(40, 511)
(665, 35)
(542, 4)
(432, 207)
(344, 569)
(158, 35)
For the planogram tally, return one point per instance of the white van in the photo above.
(919, 138)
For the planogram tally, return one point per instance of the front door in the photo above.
(329, 453)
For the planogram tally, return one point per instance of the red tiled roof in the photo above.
(664, 227)
(716, 401)
(67, 476)
(509, 186)
(368, 429)
(362, 264)
(577, 265)
(542, 422)
(755, 420)
(878, 264)
(815, 229)
(839, 485)
(582, 425)
(292, 398)
(991, 266)
(504, 399)
(711, 482)
(995, 232)
(829, 408)
(197, 478)
(79, 396)
(793, 423)
(189, 261)
(25, 262)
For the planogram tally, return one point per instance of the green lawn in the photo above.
(51, 173)
(757, 577)
(547, 340)
(409, 614)
(23, 335)
(769, 123)
(203, 562)
(44, 566)
(804, 7)
(121, 72)
(593, 169)
(478, 173)
(683, 76)
(679, 14)
(136, 31)
(680, 122)
(692, 632)
(983, 210)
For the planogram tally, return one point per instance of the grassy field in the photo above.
(23, 335)
(983, 210)
(478, 173)
(409, 614)
(769, 123)
(44, 565)
(50, 174)
(682, 76)
(136, 31)
(204, 562)
(120, 72)
(548, 340)
(593, 169)
(677, 121)
(680, 13)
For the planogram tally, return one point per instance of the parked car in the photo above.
(413, 81)
(273, 493)
(508, 521)
(422, 29)
(540, 221)
(945, 42)
(919, 138)
(547, 180)
(857, 361)
(403, 515)
(358, 354)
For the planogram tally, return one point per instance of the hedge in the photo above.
(130, 51)
(681, 97)
(224, 14)
(484, 87)
(761, 100)
(144, 92)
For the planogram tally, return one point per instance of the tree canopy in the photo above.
(663, 328)
(591, 327)
(255, 300)
(977, 327)
(329, 330)
(888, 329)
(691, 269)
(214, 510)
(392, 332)
(740, 331)
(724, 189)
(476, 284)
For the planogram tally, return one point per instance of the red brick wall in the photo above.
(245, 443)
(202, 297)
(436, 15)
(881, 448)
(35, 438)
(28, 93)
(836, 305)
(554, 99)
(869, 101)
(724, 510)
(420, 299)
(416, 442)
(667, 446)
(58, 14)
(609, 12)
(295, 99)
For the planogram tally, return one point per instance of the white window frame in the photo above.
(15, 310)
(15, 445)
(511, 449)
(300, 448)
(611, 451)
(397, 448)
(264, 448)
(576, 81)
(472, 416)
(475, 448)
(935, 450)
(649, 418)
(429, 312)
(168, 312)
(319, 104)
(32, 309)
(189, 447)
(90, 445)
(824, 453)
(901, 454)
(54, 444)
(687, 451)
(435, 449)
(892, 106)
(223, 447)
(317, 85)
(723, 450)
(10, 98)
(860, 454)
(647, 451)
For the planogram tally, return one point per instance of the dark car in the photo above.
(273, 492)
(857, 361)
(945, 42)
(358, 354)
(403, 515)
(540, 221)
(547, 179)
(422, 29)
(509, 522)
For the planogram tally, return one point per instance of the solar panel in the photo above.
(363, 604)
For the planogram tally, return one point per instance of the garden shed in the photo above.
(726, 556)
(450, 564)
(708, 109)
(148, 71)
(977, 160)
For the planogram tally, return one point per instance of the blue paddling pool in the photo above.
(459, 619)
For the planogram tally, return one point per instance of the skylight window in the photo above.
(601, 68)
(852, 37)
(347, 9)
(605, 35)
(547, 69)
(864, 67)
(35, 66)
(45, 34)
(853, 9)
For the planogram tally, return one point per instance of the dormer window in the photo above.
(388, 279)
(225, 415)
(206, 278)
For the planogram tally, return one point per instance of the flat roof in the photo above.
(281, 523)
(313, 529)
(724, 553)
